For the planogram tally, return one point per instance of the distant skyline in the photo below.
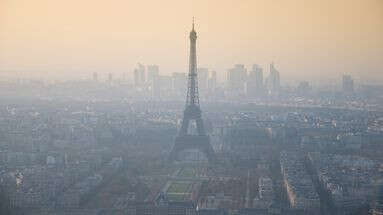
(307, 39)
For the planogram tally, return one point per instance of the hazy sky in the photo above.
(305, 38)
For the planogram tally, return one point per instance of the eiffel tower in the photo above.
(184, 140)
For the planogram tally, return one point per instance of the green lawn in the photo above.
(178, 187)
(187, 172)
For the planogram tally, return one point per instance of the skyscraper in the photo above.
(179, 83)
(258, 77)
(273, 81)
(152, 77)
(255, 81)
(153, 72)
(303, 88)
(203, 76)
(236, 79)
(347, 84)
(139, 75)
(212, 82)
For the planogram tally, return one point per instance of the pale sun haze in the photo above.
(306, 39)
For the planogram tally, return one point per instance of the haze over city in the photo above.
(306, 39)
(263, 107)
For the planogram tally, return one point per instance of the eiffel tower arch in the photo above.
(192, 112)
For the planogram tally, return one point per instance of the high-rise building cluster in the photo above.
(148, 79)
(240, 81)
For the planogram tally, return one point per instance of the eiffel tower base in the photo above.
(199, 142)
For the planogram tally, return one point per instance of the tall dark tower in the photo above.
(184, 140)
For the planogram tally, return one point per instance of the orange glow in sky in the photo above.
(305, 38)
